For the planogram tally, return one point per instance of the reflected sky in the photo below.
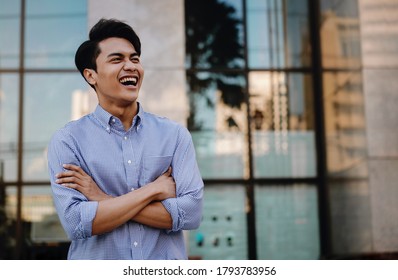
(47, 108)
(53, 32)
(9, 124)
(278, 34)
(9, 33)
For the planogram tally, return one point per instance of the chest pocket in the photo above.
(154, 166)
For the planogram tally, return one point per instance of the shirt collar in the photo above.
(106, 119)
(137, 121)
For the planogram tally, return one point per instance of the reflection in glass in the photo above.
(222, 234)
(282, 124)
(9, 33)
(218, 124)
(278, 33)
(51, 100)
(39, 213)
(8, 212)
(39, 221)
(340, 34)
(8, 126)
(345, 124)
(287, 222)
(54, 30)
(214, 34)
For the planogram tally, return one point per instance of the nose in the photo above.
(129, 65)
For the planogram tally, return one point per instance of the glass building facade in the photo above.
(272, 91)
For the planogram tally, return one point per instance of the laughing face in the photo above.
(119, 74)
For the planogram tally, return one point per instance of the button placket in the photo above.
(135, 240)
(129, 159)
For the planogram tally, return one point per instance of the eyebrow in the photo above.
(122, 55)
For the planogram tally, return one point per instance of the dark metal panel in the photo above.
(251, 217)
(323, 200)
(19, 229)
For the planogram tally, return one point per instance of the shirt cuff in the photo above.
(88, 211)
(171, 206)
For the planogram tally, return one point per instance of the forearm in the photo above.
(116, 211)
(154, 215)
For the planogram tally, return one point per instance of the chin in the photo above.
(132, 99)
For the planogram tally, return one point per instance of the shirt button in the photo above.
(125, 137)
(135, 244)
(129, 161)
(113, 120)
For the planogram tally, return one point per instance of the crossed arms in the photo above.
(142, 205)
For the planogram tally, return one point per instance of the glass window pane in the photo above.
(287, 222)
(222, 234)
(9, 33)
(214, 34)
(43, 233)
(278, 33)
(38, 210)
(340, 34)
(218, 124)
(283, 137)
(54, 30)
(48, 108)
(8, 214)
(345, 124)
(8, 126)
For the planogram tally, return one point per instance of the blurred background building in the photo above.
(291, 105)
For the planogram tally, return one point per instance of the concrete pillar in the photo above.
(379, 32)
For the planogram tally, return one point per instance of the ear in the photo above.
(90, 76)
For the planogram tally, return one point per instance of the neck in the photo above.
(125, 114)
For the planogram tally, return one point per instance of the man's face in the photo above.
(119, 73)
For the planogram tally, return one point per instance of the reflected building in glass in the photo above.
(290, 103)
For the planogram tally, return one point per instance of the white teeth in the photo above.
(129, 79)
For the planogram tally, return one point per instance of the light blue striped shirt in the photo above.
(120, 161)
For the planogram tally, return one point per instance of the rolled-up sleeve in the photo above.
(186, 208)
(75, 212)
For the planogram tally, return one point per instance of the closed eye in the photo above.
(116, 59)
(135, 59)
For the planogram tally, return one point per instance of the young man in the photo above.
(125, 182)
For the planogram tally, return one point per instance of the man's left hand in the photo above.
(76, 178)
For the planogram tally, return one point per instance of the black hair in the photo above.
(89, 50)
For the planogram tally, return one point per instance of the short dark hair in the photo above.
(89, 50)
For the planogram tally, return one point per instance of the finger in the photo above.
(69, 174)
(74, 168)
(71, 186)
(168, 172)
(67, 180)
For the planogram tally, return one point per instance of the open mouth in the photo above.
(129, 81)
